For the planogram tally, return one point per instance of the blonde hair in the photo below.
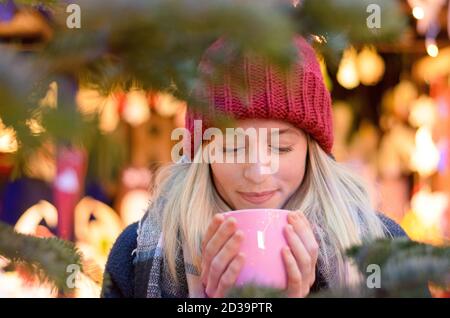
(333, 199)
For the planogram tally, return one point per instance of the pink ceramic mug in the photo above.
(262, 246)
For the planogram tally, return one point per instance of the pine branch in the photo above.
(406, 269)
(383, 251)
(45, 258)
(159, 43)
(341, 23)
(154, 43)
(18, 101)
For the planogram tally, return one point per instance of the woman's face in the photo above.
(254, 183)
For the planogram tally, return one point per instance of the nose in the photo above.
(257, 172)
(259, 165)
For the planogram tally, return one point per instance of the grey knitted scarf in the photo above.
(152, 276)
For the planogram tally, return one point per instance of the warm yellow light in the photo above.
(35, 126)
(86, 287)
(323, 70)
(14, 285)
(400, 100)
(133, 205)
(31, 218)
(432, 50)
(106, 221)
(109, 116)
(425, 157)
(136, 111)
(51, 97)
(413, 225)
(418, 13)
(370, 66)
(96, 236)
(167, 105)
(423, 112)
(89, 101)
(347, 74)
(429, 206)
(8, 141)
(319, 38)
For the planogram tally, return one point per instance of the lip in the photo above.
(257, 197)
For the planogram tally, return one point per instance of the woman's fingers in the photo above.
(294, 285)
(213, 246)
(215, 223)
(230, 276)
(307, 236)
(212, 228)
(304, 232)
(222, 260)
(299, 251)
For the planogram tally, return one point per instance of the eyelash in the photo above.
(283, 149)
(231, 150)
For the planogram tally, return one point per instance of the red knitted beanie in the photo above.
(298, 96)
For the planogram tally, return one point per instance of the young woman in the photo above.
(183, 247)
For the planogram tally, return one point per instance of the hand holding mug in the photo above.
(221, 260)
(267, 246)
(300, 256)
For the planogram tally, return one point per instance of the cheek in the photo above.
(292, 171)
(225, 176)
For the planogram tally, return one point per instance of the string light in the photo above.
(167, 105)
(347, 74)
(430, 39)
(423, 112)
(432, 49)
(8, 141)
(319, 38)
(429, 206)
(136, 111)
(418, 13)
(109, 116)
(370, 66)
(425, 158)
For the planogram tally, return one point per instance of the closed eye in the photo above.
(280, 149)
(232, 149)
